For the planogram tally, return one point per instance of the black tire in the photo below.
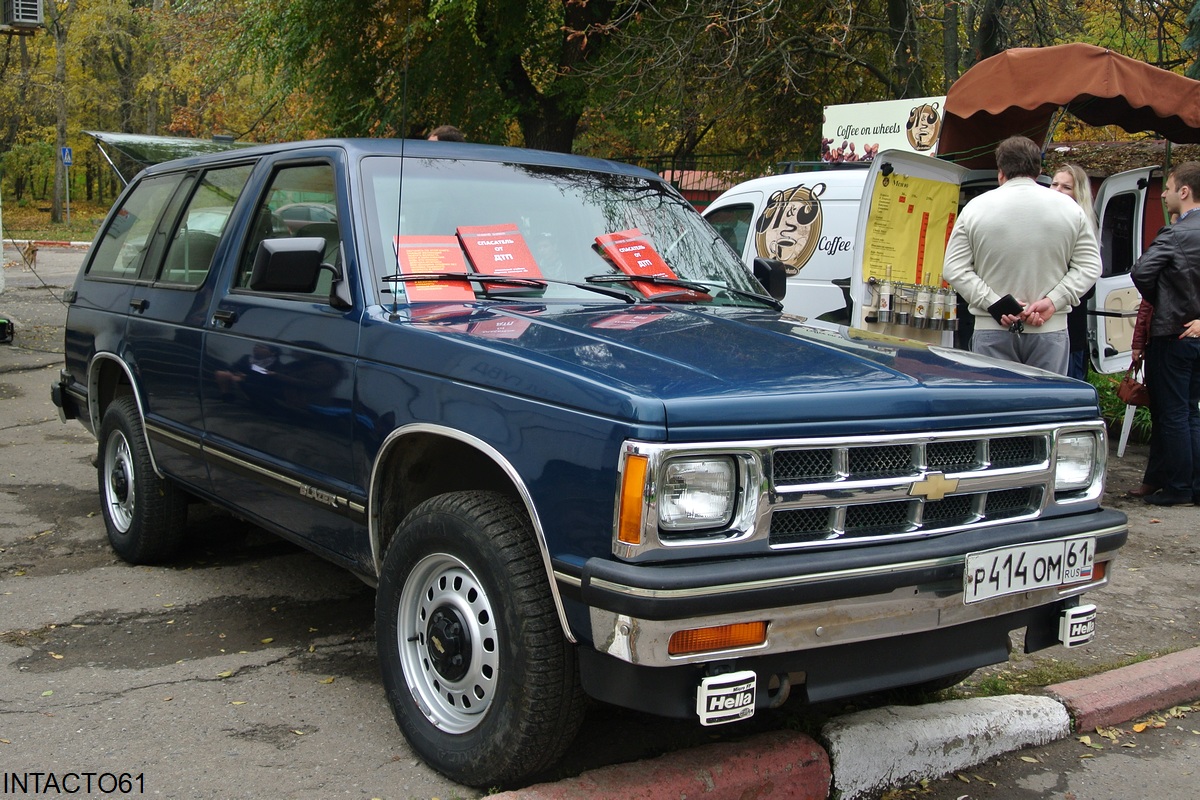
(497, 697)
(145, 514)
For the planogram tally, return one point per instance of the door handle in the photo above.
(139, 304)
(224, 318)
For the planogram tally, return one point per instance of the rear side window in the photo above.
(733, 224)
(194, 241)
(122, 248)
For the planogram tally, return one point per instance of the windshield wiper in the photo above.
(505, 280)
(690, 286)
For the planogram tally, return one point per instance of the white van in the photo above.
(805, 220)
(834, 231)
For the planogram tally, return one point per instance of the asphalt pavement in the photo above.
(861, 754)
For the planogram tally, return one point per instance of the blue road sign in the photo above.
(66, 156)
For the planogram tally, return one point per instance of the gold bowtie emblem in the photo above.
(935, 486)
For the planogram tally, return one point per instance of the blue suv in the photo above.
(543, 407)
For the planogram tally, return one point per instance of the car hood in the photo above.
(699, 370)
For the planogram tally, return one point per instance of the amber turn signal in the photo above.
(633, 485)
(721, 637)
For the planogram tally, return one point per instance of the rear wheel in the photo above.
(481, 680)
(145, 515)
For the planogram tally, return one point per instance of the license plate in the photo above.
(1009, 570)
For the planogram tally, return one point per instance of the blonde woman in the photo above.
(1071, 180)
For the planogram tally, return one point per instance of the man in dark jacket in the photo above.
(1168, 276)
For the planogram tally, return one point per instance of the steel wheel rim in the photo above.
(442, 588)
(119, 487)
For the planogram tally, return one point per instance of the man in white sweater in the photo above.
(1022, 256)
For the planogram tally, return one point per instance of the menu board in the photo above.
(908, 227)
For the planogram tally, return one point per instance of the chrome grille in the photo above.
(1017, 451)
(872, 490)
(880, 462)
(804, 465)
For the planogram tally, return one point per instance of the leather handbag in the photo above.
(1131, 390)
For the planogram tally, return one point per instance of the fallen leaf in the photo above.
(56, 656)
(47, 693)
(268, 640)
(1139, 727)
(168, 699)
(326, 680)
(226, 674)
(5, 741)
(1129, 744)
(1030, 759)
(298, 733)
(1087, 740)
(238, 703)
(962, 777)
(1087, 755)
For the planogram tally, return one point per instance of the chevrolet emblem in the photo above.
(935, 486)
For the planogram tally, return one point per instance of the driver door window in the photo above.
(300, 202)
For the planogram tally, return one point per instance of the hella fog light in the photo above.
(1076, 463)
(697, 493)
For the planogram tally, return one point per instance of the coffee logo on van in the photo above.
(924, 126)
(790, 225)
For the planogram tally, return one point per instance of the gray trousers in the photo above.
(1049, 351)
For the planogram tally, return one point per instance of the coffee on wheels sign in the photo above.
(858, 131)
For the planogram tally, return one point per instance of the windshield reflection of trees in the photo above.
(559, 212)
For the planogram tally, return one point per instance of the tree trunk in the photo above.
(906, 49)
(58, 23)
(989, 39)
(949, 46)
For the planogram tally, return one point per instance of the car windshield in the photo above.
(568, 234)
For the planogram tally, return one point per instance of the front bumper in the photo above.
(816, 600)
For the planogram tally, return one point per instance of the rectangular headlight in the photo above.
(697, 493)
(1075, 467)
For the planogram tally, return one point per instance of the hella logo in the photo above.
(730, 702)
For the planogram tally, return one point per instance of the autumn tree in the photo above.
(493, 67)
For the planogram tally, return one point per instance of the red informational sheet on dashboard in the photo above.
(498, 250)
(630, 251)
(420, 255)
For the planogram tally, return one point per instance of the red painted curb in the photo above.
(772, 766)
(1122, 694)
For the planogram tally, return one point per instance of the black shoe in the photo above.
(1164, 498)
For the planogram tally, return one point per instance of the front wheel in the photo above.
(145, 515)
(481, 680)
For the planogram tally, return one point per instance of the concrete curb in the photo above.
(883, 748)
(1123, 694)
(887, 747)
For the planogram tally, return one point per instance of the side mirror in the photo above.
(288, 265)
(772, 274)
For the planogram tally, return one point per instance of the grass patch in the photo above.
(32, 221)
(1033, 676)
